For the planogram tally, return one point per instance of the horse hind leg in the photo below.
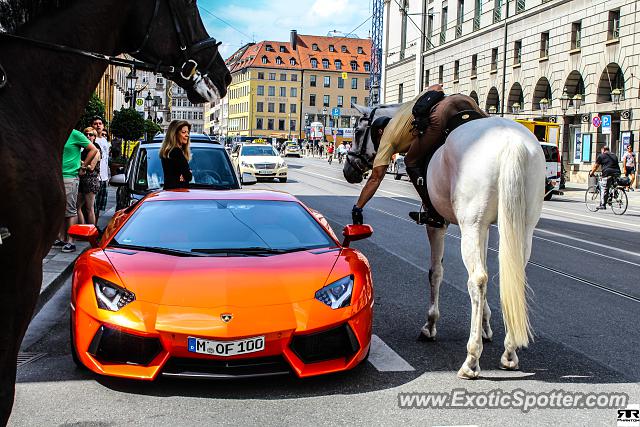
(472, 246)
(436, 272)
(487, 333)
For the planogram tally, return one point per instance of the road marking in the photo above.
(564, 236)
(592, 217)
(384, 359)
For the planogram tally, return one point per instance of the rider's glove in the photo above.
(356, 215)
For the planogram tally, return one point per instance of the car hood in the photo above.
(261, 159)
(216, 281)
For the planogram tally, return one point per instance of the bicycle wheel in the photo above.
(619, 202)
(592, 198)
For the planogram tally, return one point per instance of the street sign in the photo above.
(344, 76)
(335, 112)
(606, 124)
(596, 122)
(140, 104)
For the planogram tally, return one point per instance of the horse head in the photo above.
(176, 36)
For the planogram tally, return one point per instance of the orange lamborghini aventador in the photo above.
(199, 283)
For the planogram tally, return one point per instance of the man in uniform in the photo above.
(419, 151)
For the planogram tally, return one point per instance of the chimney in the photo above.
(294, 39)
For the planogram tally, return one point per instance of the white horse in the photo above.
(489, 170)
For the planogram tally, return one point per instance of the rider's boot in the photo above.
(429, 216)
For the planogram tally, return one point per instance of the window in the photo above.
(340, 83)
(354, 66)
(354, 100)
(278, 60)
(271, 107)
(340, 101)
(517, 52)
(283, 91)
(292, 125)
(325, 63)
(325, 100)
(269, 48)
(260, 107)
(474, 65)
(428, 44)
(264, 59)
(360, 51)
(312, 100)
(576, 35)
(281, 124)
(494, 59)
(440, 73)
(314, 47)
(260, 76)
(544, 45)
(331, 48)
(312, 80)
(283, 77)
(520, 6)
(272, 76)
(367, 66)
(292, 61)
(459, 18)
(314, 63)
(294, 77)
(366, 100)
(292, 108)
(272, 91)
(477, 13)
(327, 81)
(282, 107)
(613, 31)
(338, 64)
(283, 49)
(354, 83)
(259, 124)
(426, 78)
(443, 22)
(260, 90)
(400, 92)
(293, 92)
(270, 124)
(456, 71)
(343, 49)
(497, 11)
(367, 86)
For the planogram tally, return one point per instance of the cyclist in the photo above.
(342, 151)
(330, 153)
(610, 171)
(629, 160)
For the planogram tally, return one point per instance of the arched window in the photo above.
(367, 66)
(314, 63)
(278, 60)
(264, 59)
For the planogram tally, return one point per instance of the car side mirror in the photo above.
(119, 180)
(248, 179)
(353, 232)
(85, 233)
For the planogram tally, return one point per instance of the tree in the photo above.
(127, 124)
(95, 107)
(151, 128)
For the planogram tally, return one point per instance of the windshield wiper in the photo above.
(156, 249)
(255, 250)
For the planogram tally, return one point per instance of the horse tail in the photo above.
(512, 206)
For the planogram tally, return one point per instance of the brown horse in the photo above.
(43, 91)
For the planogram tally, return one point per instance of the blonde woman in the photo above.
(175, 155)
(89, 182)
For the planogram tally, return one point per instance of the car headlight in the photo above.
(337, 294)
(111, 296)
(246, 165)
(282, 164)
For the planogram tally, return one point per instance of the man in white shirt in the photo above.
(101, 197)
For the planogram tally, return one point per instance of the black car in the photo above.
(210, 164)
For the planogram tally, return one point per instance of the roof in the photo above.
(193, 144)
(197, 194)
(251, 56)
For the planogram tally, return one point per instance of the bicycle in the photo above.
(617, 196)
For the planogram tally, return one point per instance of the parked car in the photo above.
(212, 284)
(553, 168)
(397, 167)
(260, 160)
(292, 149)
(210, 164)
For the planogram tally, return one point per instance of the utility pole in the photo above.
(376, 52)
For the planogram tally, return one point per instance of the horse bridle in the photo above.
(187, 71)
(360, 155)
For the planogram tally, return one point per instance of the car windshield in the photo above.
(209, 166)
(550, 153)
(210, 226)
(258, 150)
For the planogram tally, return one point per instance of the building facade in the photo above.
(566, 61)
(182, 109)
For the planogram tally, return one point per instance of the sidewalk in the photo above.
(58, 266)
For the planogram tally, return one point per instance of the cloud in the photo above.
(328, 8)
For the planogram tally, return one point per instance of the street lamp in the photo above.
(148, 102)
(577, 101)
(544, 106)
(492, 109)
(324, 120)
(564, 101)
(515, 107)
(131, 86)
(616, 94)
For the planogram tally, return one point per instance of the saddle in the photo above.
(461, 118)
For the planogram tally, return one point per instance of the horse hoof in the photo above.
(509, 366)
(487, 338)
(466, 373)
(422, 337)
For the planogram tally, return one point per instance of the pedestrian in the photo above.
(610, 171)
(89, 182)
(175, 155)
(630, 163)
(101, 140)
(330, 153)
(71, 167)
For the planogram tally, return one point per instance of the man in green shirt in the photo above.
(72, 167)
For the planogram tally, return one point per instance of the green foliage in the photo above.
(95, 107)
(127, 124)
(151, 128)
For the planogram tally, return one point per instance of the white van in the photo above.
(554, 169)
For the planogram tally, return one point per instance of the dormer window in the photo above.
(331, 48)
(314, 63)
(354, 66)
(343, 49)
(269, 48)
(367, 66)
(338, 64)
(325, 63)
(360, 50)
(283, 49)
(314, 46)
(279, 60)
(264, 59)
(292, 61)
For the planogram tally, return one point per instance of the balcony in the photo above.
(476, 22)
(497, 14)
(443, 37)
(459, 30)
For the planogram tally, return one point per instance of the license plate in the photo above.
(225, 348)
(264, 172)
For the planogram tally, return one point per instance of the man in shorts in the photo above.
(72, 167)
(101, 198)
(629, 162)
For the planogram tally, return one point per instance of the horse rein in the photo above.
(360, 155)
(187, 71)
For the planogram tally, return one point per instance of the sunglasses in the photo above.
(90, 134)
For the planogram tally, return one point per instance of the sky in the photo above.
(257, 20)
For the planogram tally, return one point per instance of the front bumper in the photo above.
(303, 338)
(265, 173)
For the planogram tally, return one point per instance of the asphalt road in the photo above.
(584, 273)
